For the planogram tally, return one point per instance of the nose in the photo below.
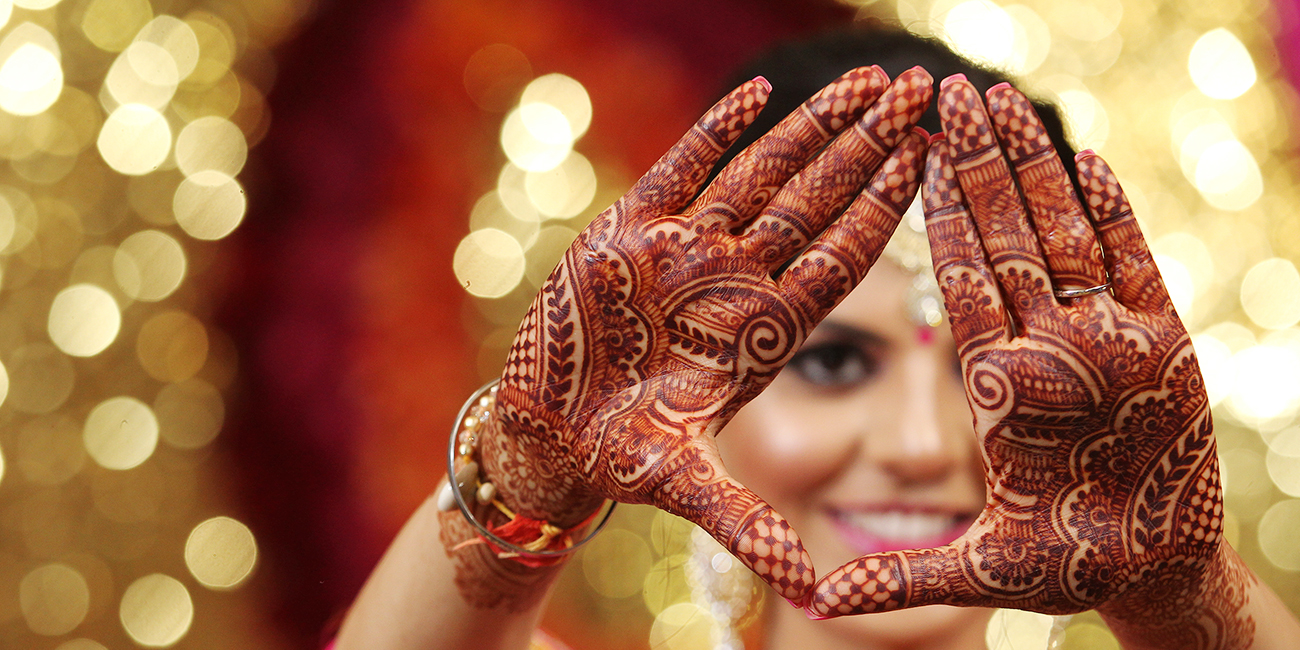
(919, 448)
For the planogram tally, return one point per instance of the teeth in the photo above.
(896, 525)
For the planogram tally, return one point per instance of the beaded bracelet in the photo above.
(531, 542)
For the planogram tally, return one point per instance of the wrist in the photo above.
(504, 495)
(1185, 602)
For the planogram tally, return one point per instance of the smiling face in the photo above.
(864, 444)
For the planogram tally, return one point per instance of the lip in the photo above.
(880, 528)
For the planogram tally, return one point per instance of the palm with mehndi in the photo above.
(1090, 411)
(671, 311)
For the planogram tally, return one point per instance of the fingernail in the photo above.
(794, 603)
(936, 137)
(957, 77)
(1000, 86)
(881, 70)
(767, 85)
(925, 135)
(1086, 152)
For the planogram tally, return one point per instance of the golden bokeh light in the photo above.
(190, 413)
(221, 553)
(564, 93)
(144, 73)
(120, 433)
(1247, 491)
(81, 644)
(4, 383)
(135, 139)
(2, 466)
(31, 76)
(1283, 461)
(84, 320)
(536, 137)
(1220, 66)
(1267, 383)
(665, 583)
(40, 378)
(1193, 254)
(547, 248)
(1012, 629)
(35, 4)
(172, 346)
(156, 611)
(209, 205)
(111, 24)
(564, 191)
(488, 263)
(216, 48)
(177, 38)
(615, 562)
(1215, 358)
(1086, 636)
(490, 212)
(1228, 176)
(149, 265)
(54, 599)
(513, 194)
(1270, 293)
(1279, 529)
(980, 30)
(211, 143)
(49, 450)
(493, 76)
(682, 626)
(1087, 121)
(1033, 39)
(1179, 284)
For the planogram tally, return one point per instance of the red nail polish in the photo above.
(763, 80)
(794, 603)
(813, 616)
(925, 135)
(935, 138)
(1000, 86)
(1086, 152)
(881, 70)
(957, 77)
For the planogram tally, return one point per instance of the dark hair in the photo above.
(798, 69)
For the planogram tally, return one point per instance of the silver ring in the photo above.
(1079, 293)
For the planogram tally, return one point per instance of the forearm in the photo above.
(1228, 609)
(423, 597)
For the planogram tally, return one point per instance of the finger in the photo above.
(1134, 278)
(994, 203)
(678, 175)
(819, 193)
(970, 290)
(1064, 232)
(742, 522)
(746, 185)
(896, 580)
(825, 273)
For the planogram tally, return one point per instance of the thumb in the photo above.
(743, 523)
(884, 582)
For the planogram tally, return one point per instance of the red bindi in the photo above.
(925, 335)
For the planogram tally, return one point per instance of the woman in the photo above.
(672, 311)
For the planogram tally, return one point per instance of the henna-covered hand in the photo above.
(671, 311)
(1090, 412)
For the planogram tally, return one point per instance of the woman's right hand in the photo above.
(671, 311)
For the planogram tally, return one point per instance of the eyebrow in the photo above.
(858, 335)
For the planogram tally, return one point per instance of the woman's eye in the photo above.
(834, 364)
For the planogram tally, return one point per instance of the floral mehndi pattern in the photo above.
(1095, 431)
(671, 311)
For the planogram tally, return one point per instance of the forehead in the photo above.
(878, 303)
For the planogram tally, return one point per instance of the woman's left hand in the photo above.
(1090, 411)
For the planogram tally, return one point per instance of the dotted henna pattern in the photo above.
(665, 317)
(1091, 413)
